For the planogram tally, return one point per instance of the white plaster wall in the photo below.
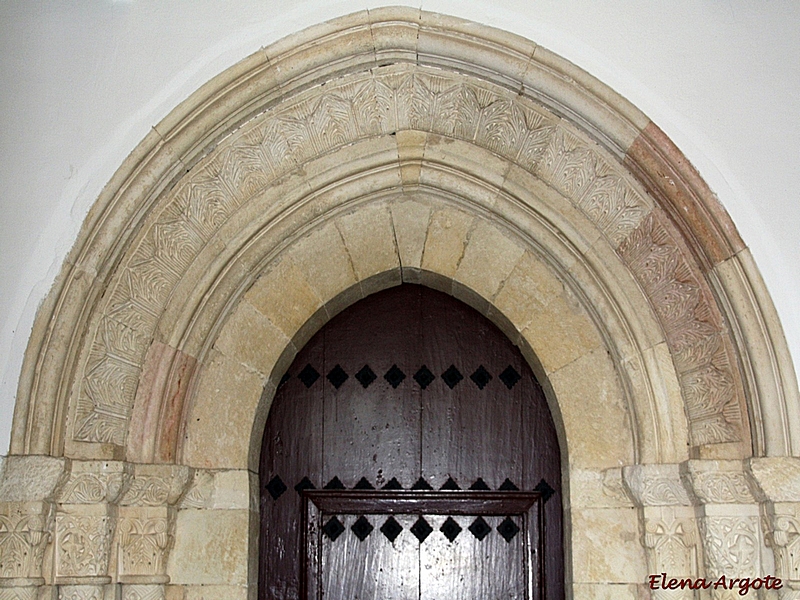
(83, 82)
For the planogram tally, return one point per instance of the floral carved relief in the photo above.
(694, 331)
(379, 103)
(23, 537)
(731, 545)
(82, 545)
(142, 545)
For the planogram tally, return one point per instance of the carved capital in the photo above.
(18, 593)
(143, 542)
(731, 545)
(671, 539)
(83, 543)
(93, 482)
(80, 592)
(155, 485)
(143, 592)
(783, 536)
(719, 481)
(656, 485)
(24, 533)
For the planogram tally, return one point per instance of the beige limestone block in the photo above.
(215, 592)
(323, 260)
(778, 477)
(221, 414)
(590, 488)
(236, 489)
(607, 591)
(489, 257)
(211, 547)
(369, 238)
(525, 292)
(594, 412)
(410, 151)
(561, 331)
(30, 478)
(444, 244)
(252, 339)
(606, 546)
(410, 219)
(284, 296)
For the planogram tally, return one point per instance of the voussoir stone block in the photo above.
(369, 239)
(252, 339)
(285, 297)
(489, 258)
(445, 242)
(211, 547)
(410, 218)
(221, 411)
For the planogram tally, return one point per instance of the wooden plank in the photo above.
(416, 502)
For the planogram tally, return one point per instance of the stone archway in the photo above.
(393, 146)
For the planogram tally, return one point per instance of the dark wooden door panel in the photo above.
(406, 389)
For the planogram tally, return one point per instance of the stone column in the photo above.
(668, 524)
(145, 529)
(730, 526)
(85, 521)
(779, 480)
(27, 484)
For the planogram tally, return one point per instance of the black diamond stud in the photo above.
(308, 376)
(479, 485)
(481, 377)
(424, 377)
(337, 376)
(276, 487)
(391, 529)
(394, 376)
(508, 529)
(545, 490)
(363, 484)
(421, 484)
(450, 485)
(362, 528)
(450, 529)
(333, 528)
(421, 529)
(304, 484)
(508, 486)
(480, 528)
(510, 377)
(366, 376)
(392, 484)
(452, 376)
(334, 484)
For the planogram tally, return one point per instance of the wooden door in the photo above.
(409, 453)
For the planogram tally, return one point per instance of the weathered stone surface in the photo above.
(445, 242)
(222, 408)
(594, 532)
(778, 477)
(211, 547)
(31, 478)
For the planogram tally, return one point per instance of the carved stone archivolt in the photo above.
(480, 164)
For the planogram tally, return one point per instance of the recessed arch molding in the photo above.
(393, 146)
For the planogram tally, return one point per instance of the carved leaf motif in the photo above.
(731, 545)
(324, 118)
(722, 487)
(672, 542)
(84, 488)
(147, 491)
(82, 545)
(142, 545)
(143, 592)
(21, 544)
